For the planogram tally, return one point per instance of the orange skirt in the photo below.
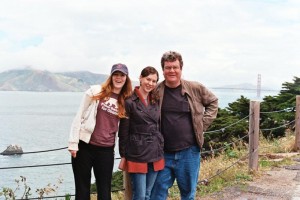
(135, 167)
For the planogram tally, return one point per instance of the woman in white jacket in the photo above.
(92, 136)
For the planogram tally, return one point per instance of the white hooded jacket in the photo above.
(84, 122)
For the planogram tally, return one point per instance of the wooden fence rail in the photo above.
(254, 114)
(297, 124)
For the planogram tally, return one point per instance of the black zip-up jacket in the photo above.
(139, 137)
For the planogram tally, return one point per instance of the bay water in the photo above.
(39, 121)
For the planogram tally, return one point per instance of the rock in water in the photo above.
(12, 149)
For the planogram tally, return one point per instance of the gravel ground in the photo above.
(277, 184)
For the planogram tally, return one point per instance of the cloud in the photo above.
(222, 42)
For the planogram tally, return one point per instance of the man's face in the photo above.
(172, 73)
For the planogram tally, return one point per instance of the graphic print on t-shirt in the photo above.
(110, 106)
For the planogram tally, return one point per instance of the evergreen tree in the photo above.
(277, 115)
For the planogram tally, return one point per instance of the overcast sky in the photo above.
(222, 42)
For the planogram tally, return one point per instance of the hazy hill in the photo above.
(29, 79)
(37, 80)
(86, 76)
(244, 86)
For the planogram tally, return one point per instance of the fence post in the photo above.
(297, 124)
(127, 186)
(253, 134)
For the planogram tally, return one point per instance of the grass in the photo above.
(230, 167)
(239, 173)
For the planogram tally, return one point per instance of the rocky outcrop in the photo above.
(12, 150)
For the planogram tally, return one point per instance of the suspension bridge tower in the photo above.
(258, 88)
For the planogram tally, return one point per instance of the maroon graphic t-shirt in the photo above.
(106, 123)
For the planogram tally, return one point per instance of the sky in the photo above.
(222, 42)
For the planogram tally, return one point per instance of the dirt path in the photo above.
(277, 184)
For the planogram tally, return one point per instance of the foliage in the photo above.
(116, 183)
(230, 167)
(11, 194)
(68, 197)
(285, 101)
(243, 177)
(48, 189)
(217, 170)
(232, 122)
(231, 125)
(224, 124)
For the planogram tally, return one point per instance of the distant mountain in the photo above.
(243, 86)
(86, 76)
(239, 86)
(36, 80)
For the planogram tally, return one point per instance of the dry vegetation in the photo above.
(272, 153)
(230, 167)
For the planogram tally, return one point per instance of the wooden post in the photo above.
(127, 186)
(297, 124)
(253, 134)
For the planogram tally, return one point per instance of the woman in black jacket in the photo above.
(140, 141)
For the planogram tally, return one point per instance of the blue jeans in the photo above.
(142, 183)
(183, 166)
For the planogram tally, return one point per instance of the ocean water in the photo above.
(41, 121)
(37, 121)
